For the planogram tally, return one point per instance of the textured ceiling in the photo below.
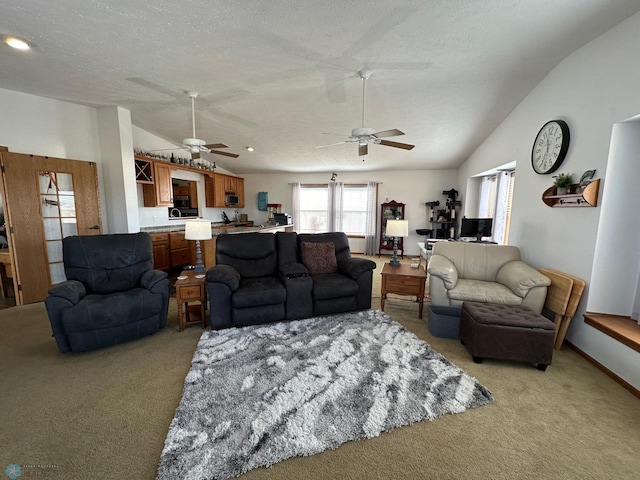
(281, 75)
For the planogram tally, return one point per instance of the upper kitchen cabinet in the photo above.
(218, 186)
(160, 193)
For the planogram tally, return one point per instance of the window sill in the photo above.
(624, 329)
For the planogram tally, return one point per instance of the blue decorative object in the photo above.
(262, 201)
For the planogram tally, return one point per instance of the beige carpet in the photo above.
(105, 414)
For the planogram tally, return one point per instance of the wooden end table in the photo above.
(403, 280)
(191, 295)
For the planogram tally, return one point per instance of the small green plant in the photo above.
(563, 180)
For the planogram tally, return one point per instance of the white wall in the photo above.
(43, 126)
(413, 188)
(591, 90)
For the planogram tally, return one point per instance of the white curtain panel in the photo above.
(295, 202)
(372, 215)
(502, 204)
(334, 219)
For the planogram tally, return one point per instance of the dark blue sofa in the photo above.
(260, 278)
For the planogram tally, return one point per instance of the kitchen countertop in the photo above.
(216, 228)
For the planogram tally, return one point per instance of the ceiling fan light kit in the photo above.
(364, 135)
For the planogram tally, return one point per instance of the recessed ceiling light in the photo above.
(250, 149)
(16, 42)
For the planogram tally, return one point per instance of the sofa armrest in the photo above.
(71, 290)
(225, 274)
(521, 278)
(293, 270)
(355, 266)
(151, 278)
(443, 268)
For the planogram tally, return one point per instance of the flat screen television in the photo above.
(476, 227)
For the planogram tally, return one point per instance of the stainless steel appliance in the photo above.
(282, 218)
(181, 201)
(231, 200)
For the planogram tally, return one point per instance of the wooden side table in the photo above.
(191, 295)
(403, 280)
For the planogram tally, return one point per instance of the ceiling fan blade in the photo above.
(330, 144)
(363, 150)
(215, 145)
(226, 154)
(388, 133)
(405, 146)
(195, 156)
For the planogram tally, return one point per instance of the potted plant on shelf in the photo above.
(562, 183)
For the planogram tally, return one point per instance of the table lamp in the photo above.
(396, 229)
(197, 230)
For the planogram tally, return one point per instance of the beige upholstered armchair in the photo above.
(480, 272)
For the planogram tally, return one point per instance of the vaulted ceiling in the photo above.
(281, 75)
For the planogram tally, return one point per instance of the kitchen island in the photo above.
(172, 250)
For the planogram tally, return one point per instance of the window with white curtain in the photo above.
(315, 209)
(496, 194)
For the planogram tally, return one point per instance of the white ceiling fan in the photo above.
(197, 146)
(364, 135)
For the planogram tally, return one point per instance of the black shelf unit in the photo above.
(444, 221)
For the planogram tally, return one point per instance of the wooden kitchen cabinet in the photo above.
(179, 249)
(214, 190)
(161, 254)
(217, 186)
(160, 193)
(240, 192)
(229, 184)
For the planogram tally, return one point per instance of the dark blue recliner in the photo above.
(111, 295)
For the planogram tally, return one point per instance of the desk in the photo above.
(191, 295)
(403, 280)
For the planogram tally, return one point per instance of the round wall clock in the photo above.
(550, 147)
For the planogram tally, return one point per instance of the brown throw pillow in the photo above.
(319, 257)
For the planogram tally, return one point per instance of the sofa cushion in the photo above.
(107, 263)
(319, 257)
(259, 291)
(477, 261)
(480, 291)
(333, 285)
(97, 312)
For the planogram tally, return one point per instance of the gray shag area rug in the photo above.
(258, 395)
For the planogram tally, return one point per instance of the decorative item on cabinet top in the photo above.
(577, 195)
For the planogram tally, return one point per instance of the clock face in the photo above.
(550, 147)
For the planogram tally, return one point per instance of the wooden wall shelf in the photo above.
(587, 198)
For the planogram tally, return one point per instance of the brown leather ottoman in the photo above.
(506, 332)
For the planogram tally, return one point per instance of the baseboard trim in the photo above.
(621, 381)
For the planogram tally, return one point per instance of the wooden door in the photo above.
(36, 256)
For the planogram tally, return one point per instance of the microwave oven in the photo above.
(231, 200)
(282, 218)
(181, 201)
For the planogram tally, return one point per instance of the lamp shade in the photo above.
(197, 229)
(397, 228)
